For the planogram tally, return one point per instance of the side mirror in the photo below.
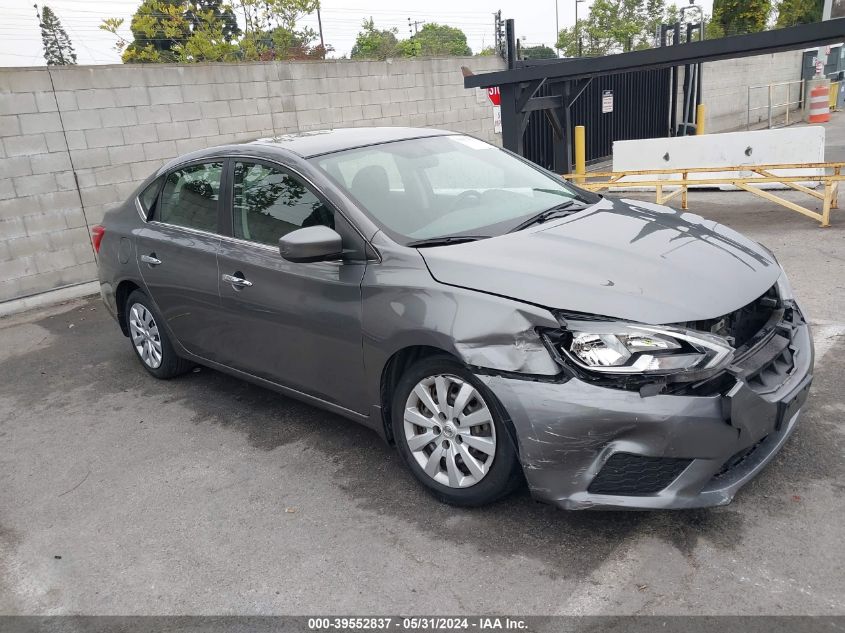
(311, 244)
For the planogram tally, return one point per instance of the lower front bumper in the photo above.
(568, 431)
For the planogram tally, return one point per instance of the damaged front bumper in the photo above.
(583, 445)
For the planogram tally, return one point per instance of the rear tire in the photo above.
(459, 450)
(149, 340)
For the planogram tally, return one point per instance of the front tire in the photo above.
(149, 340)
(450, 431)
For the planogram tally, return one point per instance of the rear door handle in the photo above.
(240, 282)
(150, 259)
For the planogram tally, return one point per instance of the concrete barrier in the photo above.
(804, 144)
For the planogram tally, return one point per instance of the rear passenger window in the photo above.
(190, 196)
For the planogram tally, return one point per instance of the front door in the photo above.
(297, 324)
(177, 255)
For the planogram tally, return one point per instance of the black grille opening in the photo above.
(636, 475)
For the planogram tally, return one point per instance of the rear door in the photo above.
(177, 255)
(297, 324)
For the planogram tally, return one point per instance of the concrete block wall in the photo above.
(75, 141)
(725, 92)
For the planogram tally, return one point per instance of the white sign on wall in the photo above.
(497, 119)
(606, 101)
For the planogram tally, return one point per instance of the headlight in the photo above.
(629, 348)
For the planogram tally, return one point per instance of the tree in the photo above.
(793, 12)
(210, 40)
(436, 40)
(614, 26)
(159, 28)
(538, 52)
(207, 30)
(373, 43)
(202, 13)
(738, 17)
(58, 51)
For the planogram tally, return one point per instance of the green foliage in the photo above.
(793, 12)
(210, 41)
(615, 26)
(373, 43)
(488, 51)
(58, 51)
(207, 30)
(737, 17)
(538, 52)
(431, 40)
(204, 14)
(438, 40)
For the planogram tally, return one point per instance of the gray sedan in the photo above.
(494, 323)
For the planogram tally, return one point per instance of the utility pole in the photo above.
(499, 34)
(320, 27)
(557, 27)
(414, 25)
(578, 28)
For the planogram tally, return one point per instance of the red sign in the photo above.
(494, 95)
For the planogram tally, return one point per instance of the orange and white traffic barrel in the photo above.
(820, 104)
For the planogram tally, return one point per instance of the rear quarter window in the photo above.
(148, 198)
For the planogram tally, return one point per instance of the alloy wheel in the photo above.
(449, 430)
(145, 335)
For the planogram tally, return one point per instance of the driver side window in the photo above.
(269, 203)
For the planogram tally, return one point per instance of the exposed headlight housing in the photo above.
(784, 287)
(630, 348)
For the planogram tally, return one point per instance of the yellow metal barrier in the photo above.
(762, 174)
(699, 119)
(580, 151)
(834, 93)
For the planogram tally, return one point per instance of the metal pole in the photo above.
(580, 152)
(788, 91)
(567, 124)
(557, 28)
(748, 111)
(511, 43)
(770, 106)
(699, 119)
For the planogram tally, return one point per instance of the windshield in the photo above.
(443, 185)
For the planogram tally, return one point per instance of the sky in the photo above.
(20, 37)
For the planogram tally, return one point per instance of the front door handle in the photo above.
(150, 259)
(239, 282)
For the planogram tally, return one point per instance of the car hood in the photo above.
(625, 259)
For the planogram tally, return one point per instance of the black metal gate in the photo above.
(640, 110)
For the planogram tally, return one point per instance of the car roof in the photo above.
(308, 144)
(317, 142)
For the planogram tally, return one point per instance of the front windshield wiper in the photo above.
(557, 211)
(445, 240)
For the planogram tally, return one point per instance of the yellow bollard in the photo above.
(699, 119)
(580, 152)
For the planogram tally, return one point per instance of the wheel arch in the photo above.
(400, 361)
(392, 371)
(121, 294)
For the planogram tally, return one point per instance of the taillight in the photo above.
(97, 233)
